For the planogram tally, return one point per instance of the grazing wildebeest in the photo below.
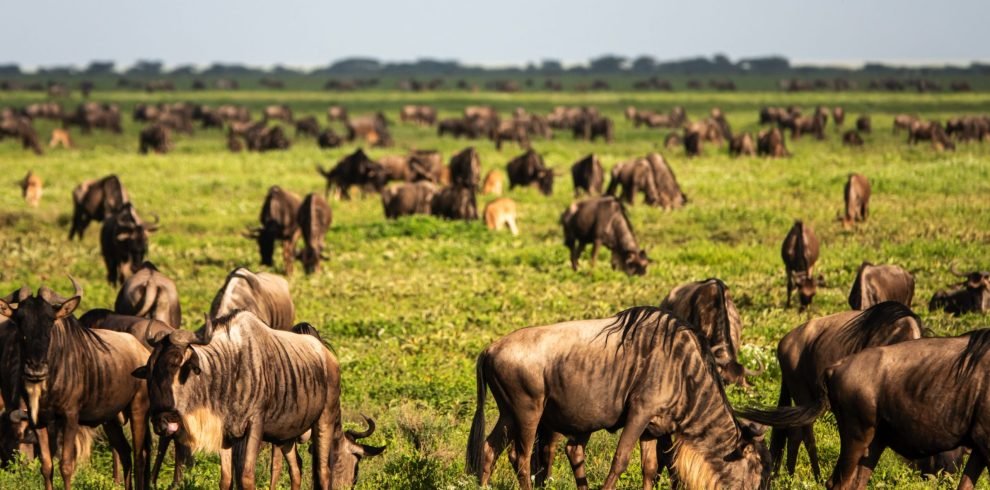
(672, 141)
(427, 165)
(373, 129)
(692, 139)
(574, 382)
(124, 242)
(919, 398)
(156, 138)
(94, 200)
(708, 306)
(528, 169)
(878, 283)
(419, 114)
(742, 145)
(17, 126)
(839, 116)
(278, 222)
(863, 124)
(634, 176)
(465, 168)
(492, 183)
(669, 195)
(273, 399)
(590, 128)
(336, 113)
(328, 139)
(800, 252)
(314, 220)
(770, 142)
(308, 126)
(806, 352)
(857, 196)
(408, 199)
(588, 175)
(971, 295)
(396, 167)
(455, 202)
(280, 111)
(354, 169)
(852, 138)
(603, 221)
(91, 115)
(501, 213)
(263, 294)
(264, 139)
(31, 188)
(904, 121)
(78, 377)
(150, 294)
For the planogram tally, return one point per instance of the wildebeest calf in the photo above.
(857, 196)
(970, 295)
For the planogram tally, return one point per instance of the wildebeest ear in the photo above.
(752, 431)
(7, 309)
(68, 307)
(140, 373)
(157, 338)
(370, 451)
(642, 255)
(820, 280)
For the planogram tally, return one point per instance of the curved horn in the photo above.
(148, 300)
(206, 334)
(361, 435)
(952, 268)
(252, 233)
(54, 298)
(17, 296)
(750, 373)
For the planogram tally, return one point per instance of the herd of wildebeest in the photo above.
(251, 374)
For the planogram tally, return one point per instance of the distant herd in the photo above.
(252, 375)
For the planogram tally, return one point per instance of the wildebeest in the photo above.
(307, 126)
(328, 139)
(970, 295)
(372, 129)
(919, 398)
(603, 221)
(588, 175)
(354, 169)
(336, 113)
(492, 183)
(124, 242)
(280, 111)
(419, 114)
(742, 145)
(208, 413)
(708, 306)
(857, 197)
(150, 294)
(465, 168)
(576, 378)
(528, 169)
(634, 176)
(839, 116)
(904, 121)
(806, 352)
(800, 252)
(408, 199)
(878, 283)
(501, 213)
(265, 295)
(314, 220)
(31, 188)
(770, 142)
(262, 139)
(17, 126)
(669, 194)
(60, 137)
(396, 167)
(94, 200)
(590, 128)
(427, 165)
(78, 377)
(852, 138)
(91, 115)
(156, 138)
(455, 202)
(278, 222)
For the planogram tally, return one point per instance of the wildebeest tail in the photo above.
(476, 439)
(856, 294)
(149, 300)
(787, 417)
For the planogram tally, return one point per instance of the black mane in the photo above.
(976, 349)
(863, 329)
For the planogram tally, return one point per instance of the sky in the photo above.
(504, 32)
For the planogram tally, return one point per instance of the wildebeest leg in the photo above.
(793, 447)
(811, 446)
(853, 445)
(141, 438)
(635, 425)
(163, 443)
(576, 251)
(866, 465)
(497, 439)
(67, 466)
(648, 456)
(115, 436)
(594, 252)
(790, 287)
(575, 455)
(322, 435)
(183, 458)
(246, 456)
(665, 455)
(974, 468)
(45, 455)
(542, 464)
(289, 252)
(226, 468)
(276, 467)
(118, 477)
(292, 457)
(527, 424)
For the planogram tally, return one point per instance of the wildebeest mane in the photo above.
(76, 330)
(976, 349)
(864, 329)
(305, 328)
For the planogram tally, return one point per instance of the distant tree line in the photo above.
(717, 65)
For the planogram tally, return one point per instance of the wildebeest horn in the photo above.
(252, 233)
(361, 435)
(206, 334)
(54, 298)
(17, 296)
(952, 268)
(750, 373)
(153, 226)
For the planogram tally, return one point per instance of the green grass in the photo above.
(408, 305)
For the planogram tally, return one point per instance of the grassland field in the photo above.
(408, 304)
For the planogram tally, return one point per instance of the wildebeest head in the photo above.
(34, 318)
(749, 465)
(545, 177)
(131, 235)
(171, 365)
(346, 459)
(632, 262)
(807, 287)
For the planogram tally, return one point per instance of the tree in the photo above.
(644, 64)
(99, 68)
(608, 63)
(551, 66)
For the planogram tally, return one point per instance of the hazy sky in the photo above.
(299, 33)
